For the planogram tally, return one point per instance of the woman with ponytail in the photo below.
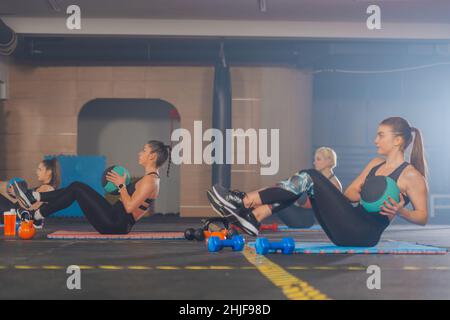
(344, 223)
(136, 199)
(48, 176)
(394, 136)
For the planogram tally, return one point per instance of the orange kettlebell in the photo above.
(26, 230)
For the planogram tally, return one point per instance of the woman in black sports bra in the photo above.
(344, 223)
(119, 218)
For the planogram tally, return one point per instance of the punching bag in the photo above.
(221, 116)
(8, 39)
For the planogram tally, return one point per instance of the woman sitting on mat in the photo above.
(135, 200)
(344, 224)
(48, 176)
(325, 160)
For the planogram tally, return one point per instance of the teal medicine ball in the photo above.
(108, 186)
(376, 190)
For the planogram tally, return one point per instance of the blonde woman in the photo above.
(325, 160)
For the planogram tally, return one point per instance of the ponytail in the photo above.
(163, 152)
(401, 127)
(417, 153)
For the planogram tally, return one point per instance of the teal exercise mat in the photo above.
(385, 247)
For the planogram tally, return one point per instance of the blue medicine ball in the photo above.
(12, 180)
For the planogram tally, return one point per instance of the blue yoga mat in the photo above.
(315, 227)
(391, 247)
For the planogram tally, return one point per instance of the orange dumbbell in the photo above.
(222, 234)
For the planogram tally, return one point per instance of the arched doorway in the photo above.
(118, 129)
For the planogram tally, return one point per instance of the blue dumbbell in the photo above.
(263, 245)
(236, 243)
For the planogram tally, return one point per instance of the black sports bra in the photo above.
(394, 175)
(131, 188)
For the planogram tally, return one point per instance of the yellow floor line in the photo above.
(196, 268)
(110, 267)
(52, 267)
(356, 268)
(25, 267)
(139, 268)
(439, 268)
(86, 267)
(325, 268)
(258, 259)
(293, 288)
(411, 268)
(168, 268)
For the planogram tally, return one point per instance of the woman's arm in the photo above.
(353, 192)
(145, 189)
(43, 188)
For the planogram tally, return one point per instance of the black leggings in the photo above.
(343, 223)
(103, 216)
(279, 198)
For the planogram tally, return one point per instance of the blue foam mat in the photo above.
(315, 227)
(388, 247)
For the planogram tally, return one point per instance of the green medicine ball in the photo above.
(108, 186)
(376, 190)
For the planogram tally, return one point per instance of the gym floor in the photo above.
(150, 269)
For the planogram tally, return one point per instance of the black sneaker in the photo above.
(27, 215)
(38, 224)
(243, 218)
(233, 199)
(23, 194)
(216, 205)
